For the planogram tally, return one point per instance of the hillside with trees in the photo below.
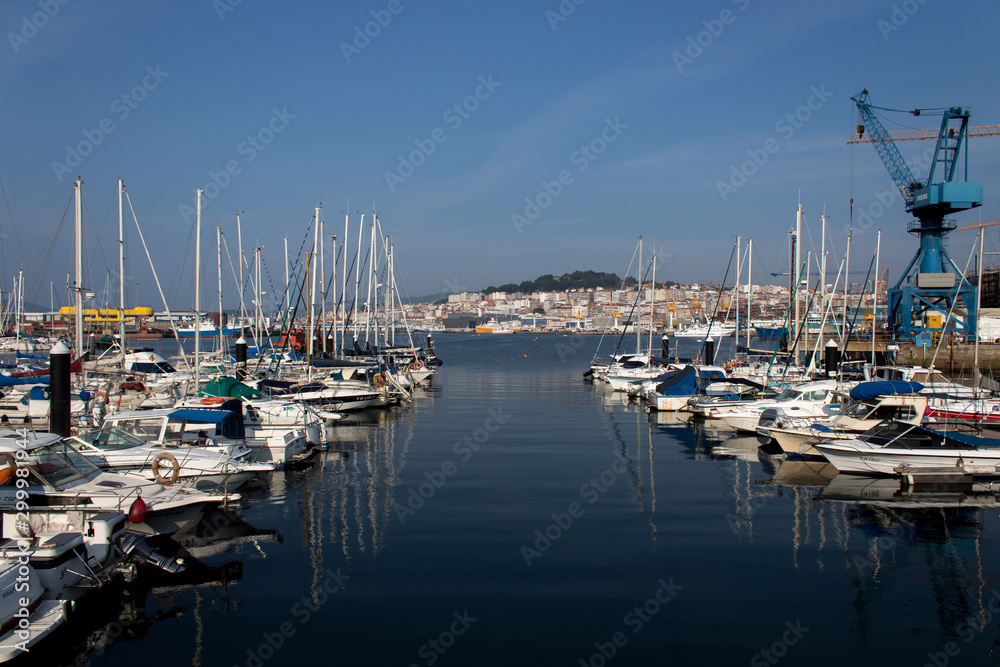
(569, 281)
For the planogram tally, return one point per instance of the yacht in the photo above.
(66, 489)
(895, 447)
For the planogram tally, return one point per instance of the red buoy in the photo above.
(137, 512)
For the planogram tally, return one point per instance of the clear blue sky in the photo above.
(333, 112)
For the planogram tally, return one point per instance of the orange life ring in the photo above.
(416, 366)
(212, 400)
(175, 468)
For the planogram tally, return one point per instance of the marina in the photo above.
(431, 334)
(474, 524)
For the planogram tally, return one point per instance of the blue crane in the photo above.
(931, 282)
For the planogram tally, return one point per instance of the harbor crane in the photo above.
(931, 283)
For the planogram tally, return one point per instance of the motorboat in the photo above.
(208, 466)
(815, 398)
(867, 405)
(889, 448)
(224, 426)
(66, 489)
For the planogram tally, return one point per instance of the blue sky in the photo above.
(303, 111)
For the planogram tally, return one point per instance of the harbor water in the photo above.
(515, 514)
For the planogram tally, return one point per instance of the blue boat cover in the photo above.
(867, 391)
(227, 423)
(684, 383)
(6, 380)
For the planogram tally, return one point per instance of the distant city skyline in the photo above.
(497, 142)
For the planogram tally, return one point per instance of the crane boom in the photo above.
(918, 135)
(899, 171)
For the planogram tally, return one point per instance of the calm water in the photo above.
(515, 515)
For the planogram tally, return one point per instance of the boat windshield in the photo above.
(789, 394)
(861, 410)
(110, 438)
(59, 464)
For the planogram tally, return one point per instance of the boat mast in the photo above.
(288, 292)
(878, 247)
(638, 314)
(979, 308)
(736, 291)
(357, 275)
(797, 275)
(239, 243)
(343, 283)
(78, 230)
(218, 257)
(322, 281)
(652, 302)
(121, 269)
(333, 283)
(197, 294)
(312, 284)
(749, 287)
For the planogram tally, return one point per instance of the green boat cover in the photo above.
(228, 386)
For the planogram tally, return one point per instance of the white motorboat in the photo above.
(816, 398)
(25, 618)
(224, 427)
(66, 489)
(891, 447)
(871, 403)
(208, 467)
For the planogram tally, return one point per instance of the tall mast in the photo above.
(197, 294)
(736, 291)
(357, 274)
(797, 272)
(121, 268)
(333, 283)
(239, 243)
(822, 288)
(316, 252)
(979, 308)
(749, 286)
(652, 302)
(218, 257)
(288, 291)
(343, 284)
(878, 247)
(638, 318)
(78, 230)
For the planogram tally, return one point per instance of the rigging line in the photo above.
(156, 279)
(620, 288)
(43, 265)
(98, 234)
(634, 304)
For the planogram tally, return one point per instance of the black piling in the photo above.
(831, 358)
(241, 358)
(59, 389)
